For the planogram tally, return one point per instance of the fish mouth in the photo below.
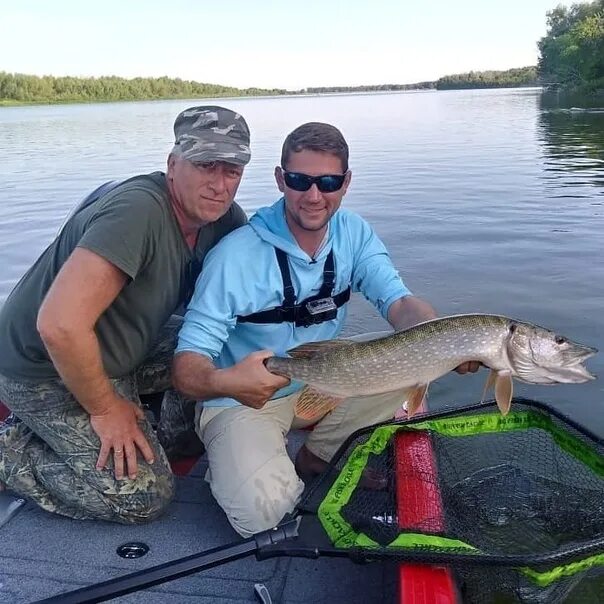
(570, 371)
(573, 371)
(574, 374)
(570, 374)
(584, 352)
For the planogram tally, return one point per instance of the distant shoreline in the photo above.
(232, 98)
(6, 103)
(24, 90)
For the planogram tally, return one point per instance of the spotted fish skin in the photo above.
(423, 353)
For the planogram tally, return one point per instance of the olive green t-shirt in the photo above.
(134, 227)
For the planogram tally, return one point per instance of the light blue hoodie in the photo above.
(241, 276)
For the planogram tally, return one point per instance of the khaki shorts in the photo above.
(250, 473)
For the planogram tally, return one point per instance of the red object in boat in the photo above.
(181, 467)
(419, 506)
(4, 411)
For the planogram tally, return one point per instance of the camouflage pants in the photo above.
(50, 455)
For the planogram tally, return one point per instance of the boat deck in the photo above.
(42, 555)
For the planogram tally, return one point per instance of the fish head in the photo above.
(540, 356)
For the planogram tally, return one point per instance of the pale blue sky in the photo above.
(270, 44)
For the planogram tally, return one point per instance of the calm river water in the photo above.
(489, 201)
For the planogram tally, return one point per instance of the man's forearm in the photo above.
(196, 376)
(248, 381)
(408, 311)
(84, 288)
(77, 359)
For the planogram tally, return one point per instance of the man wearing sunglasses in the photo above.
(89, 328)
(281, 281)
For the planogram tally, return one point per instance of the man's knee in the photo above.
(262, 503)
(146, 502)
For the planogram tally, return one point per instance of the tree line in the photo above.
(510, 78)
(572, 51)
(368, 88)
(21, 88)
(18, 88)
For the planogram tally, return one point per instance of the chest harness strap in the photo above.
(311, 311)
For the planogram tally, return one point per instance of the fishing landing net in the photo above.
(513, 506)
(509, 509)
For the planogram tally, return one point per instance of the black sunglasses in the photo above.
(327, 183)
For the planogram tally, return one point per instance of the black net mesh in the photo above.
(524, 495)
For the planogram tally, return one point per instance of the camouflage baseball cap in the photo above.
(212, 133)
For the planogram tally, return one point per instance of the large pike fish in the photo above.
(409, 360)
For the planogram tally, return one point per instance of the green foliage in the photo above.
(572, 52)
(370, 88)
(511, 78)
(20, 88)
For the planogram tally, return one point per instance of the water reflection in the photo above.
(571, 132)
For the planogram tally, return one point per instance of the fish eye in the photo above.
(560, 340)
(512, 328)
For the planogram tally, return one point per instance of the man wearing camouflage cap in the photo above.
(90, 327)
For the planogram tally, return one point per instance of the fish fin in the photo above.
(313, 404)
(504, 390)
(306, 351)
(491, 381)
(415, 399)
